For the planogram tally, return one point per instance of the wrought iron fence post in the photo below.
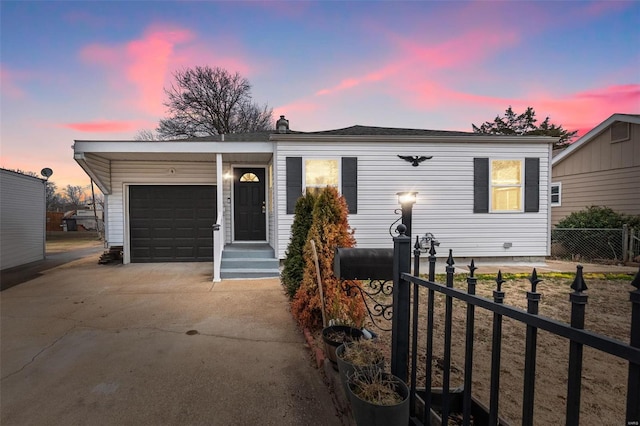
(496, 345)
(468, 359)
(533, 299)
(429, 356)
(414, 326)
(432, 261)
(448, 319)
(578, 304)
(633, 385)
(401, 309)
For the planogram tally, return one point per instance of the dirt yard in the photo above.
(58, 242)
(604, 377)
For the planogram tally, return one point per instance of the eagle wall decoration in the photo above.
(415, 159)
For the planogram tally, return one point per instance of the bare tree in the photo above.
(205, 101)
(147, 135)
(74, 195)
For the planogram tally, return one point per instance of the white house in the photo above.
(484, 196)
(22, 219)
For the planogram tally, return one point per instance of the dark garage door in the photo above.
(171, 223)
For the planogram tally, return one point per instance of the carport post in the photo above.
(218, 243)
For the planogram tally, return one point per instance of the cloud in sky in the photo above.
(98, 70)
(138, 69)
(11, 82)
(105, 126)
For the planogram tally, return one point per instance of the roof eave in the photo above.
(593, 133)
(286, 137)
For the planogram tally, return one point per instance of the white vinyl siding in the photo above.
(22, 219)
(444, 204)
(125, 173)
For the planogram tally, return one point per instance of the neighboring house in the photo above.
(602, 168)
(22, 219)
(83, 220)
(483, 196)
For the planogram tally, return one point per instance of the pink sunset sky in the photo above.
(96, 70)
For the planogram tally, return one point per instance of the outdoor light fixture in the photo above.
(427, 240)
(407, 199)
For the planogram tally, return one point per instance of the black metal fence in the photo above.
(406, 350)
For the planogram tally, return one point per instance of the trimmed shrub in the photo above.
(293, 265)
(329, 229)
(598, 217)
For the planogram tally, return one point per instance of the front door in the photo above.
(249, 206)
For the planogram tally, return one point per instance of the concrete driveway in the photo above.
(154, 344)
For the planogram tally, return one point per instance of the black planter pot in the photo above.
(348, 334)
(366, 413)
(346, 368)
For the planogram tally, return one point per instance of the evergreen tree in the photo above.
(329, 230)
(294, 260)
(525, 124)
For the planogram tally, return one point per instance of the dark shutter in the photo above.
(481, 185)
(531, 184)
(294, 182)
(350, 183)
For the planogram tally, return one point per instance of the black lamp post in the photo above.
(407, 199)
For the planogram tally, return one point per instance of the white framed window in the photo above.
(556, 194)
(506, 185)
(321, 172)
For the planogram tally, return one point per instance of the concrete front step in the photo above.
(249, 263)
(247, 252)
(248, 273)
(251, 260)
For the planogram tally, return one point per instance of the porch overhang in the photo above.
(95, 157)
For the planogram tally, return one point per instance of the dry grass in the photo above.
(376, 387)
(65, 241)
(604, 377)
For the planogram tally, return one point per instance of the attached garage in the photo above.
(171, 223)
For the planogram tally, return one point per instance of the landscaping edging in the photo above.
(332, 380)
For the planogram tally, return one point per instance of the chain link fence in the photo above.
(595, 244)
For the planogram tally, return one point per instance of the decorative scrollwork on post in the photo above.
(369, 294)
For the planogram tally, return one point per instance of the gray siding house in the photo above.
(22, 219)
(483, 196)
(602, 168)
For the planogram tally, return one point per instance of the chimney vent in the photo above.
(282, 125)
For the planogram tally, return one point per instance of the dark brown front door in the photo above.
(249, 212)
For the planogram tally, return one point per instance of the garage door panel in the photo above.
(171, 223)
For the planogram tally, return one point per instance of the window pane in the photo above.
(506, 172)
(506, 199)
(249, 177)
(321, 173)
